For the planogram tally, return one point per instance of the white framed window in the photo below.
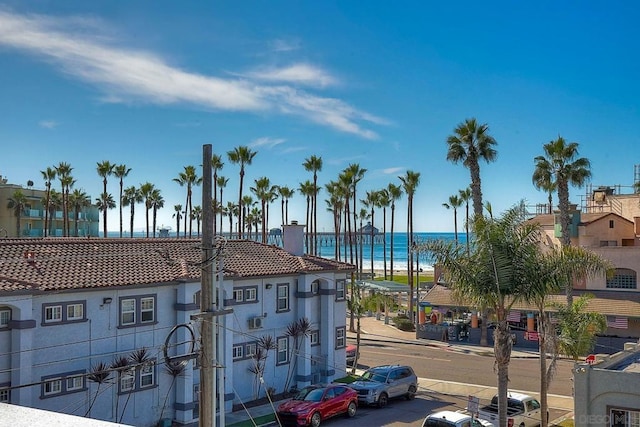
(196, 298)
(75, 383)
(340, 290)
(5, 395)
(624, 417)
(5, 317)
(283, 350)
(237, 352)
(52, 386)
(314, 337)
(251, 294)
(127, 380)
(283, 298)
(251, 349)
(315, 285)
(238, 295)
(147, 375)
(341, 337)
(128, 311)
(53, 313)
(147, 309)
(75, 311)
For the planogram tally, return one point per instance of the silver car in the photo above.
(377, 385)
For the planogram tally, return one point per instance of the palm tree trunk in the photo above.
(502, 349)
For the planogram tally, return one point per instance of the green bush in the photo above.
(404, 324)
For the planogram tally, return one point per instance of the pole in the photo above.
(417, 292)
(208, 355)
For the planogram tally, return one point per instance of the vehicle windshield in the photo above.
(373, 376)
(310, 394)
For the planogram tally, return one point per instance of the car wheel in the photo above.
(315, 419)
(411, 394)
(383, 400)
(522, 425)
(351, 409)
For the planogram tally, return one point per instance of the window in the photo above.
(59, 384)
(5, 317)
(196, 298)
(196, 401)
(339, 290)
(341, 337)
(610, 223)
(251, 349)
(127, 380)
(283, 350)
(283, 298)
(251, 294)
(5, 393)
(53, 313)
(314, 337)
(314, 287)
(137, 311)
(75, 312)
(237, 352)
(624, 418)
(75, 383)
(238, 295)
(624, 278)
(138, 378)
(53, 386)
(147, 375)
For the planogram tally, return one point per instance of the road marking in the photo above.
(413, 356)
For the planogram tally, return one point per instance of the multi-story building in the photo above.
(32, 219)
(87, 325)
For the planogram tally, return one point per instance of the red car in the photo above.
(316, 403)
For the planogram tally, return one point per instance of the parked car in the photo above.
(522, 410)
(378, 385)
(453, 419)
(315, 403)
(351, 354)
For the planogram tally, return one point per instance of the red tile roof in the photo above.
(74, 263)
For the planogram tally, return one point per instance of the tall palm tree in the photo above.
(335, 205)
(543, 180)
(54, 204)
(263, 191)
(105, 202)
(314, 164)
(454, 203)
(197, 217)
(372, 201)
(384, 202)
(222, 183)
(216, 165)
(63, 172)
(232, 210)
(469, 144)
(560, 166)
(78, 200)
(49, 174)
(306, 189)
(188, 178)
(410, 182)
(356, 173)
(105, 169)
(18, 202)
(177, 214)
(241, 155)
(498, 273)
(146, 192)
(465, 196)
(130, 197)
(157, 202)
(285, 194)
(120, 172)
(395, 192)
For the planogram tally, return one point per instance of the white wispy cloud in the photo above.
(393, 171)
(85, 49)
(280, 45)
(48, 124)
(266, 142)
(303, 74)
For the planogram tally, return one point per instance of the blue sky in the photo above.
(380, 84)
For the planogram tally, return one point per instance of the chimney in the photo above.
(293, 238)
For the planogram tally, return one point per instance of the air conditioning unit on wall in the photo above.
(255, 323)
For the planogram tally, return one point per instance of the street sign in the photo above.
(473, 404)
(590, 359)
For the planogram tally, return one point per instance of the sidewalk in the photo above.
(376, 330)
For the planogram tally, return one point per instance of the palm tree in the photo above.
(454, 203)
(497, 274)
(232, 210)
(314, 164)
(146, 192)
(395, 192)
(188, 178)
(222, 183)
(298, 330)
(157, 202)
(121, 171)
(105, 168)
(197, 217)
(131, 197)
(242, 156)
(17, 202)
(216, 165)
(355, 173)
(465, 196)
(263, 191)
(469, 144)
(55, 203)
(410, 182)
(372, 201)
(99, 374)
(105, 202)
(560, 167)
(247, 204)
(63, 172)
(306, 189)
(178, 216)
(384, 200)
(78, 200)
(49, 174)
(285, 194)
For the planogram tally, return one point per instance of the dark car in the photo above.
(351, 351)
(315, 403)
(377, 385)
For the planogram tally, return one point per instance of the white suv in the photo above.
(378, 385)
